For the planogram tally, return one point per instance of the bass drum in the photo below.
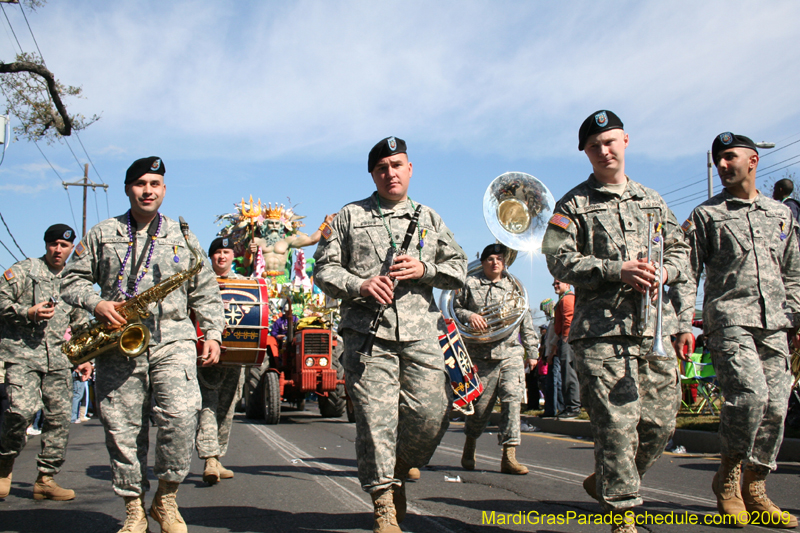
(245, 340)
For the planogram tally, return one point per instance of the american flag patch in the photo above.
(326, 231)
(80, 249)
(8, 274)
(687, 226)
(561, 221)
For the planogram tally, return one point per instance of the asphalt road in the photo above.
(300, 475)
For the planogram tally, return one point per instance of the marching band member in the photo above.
(401, 391)
(500, 362)
(37, 371)
(747, 245)
(219, 386)
(596, 241)
(125, 255)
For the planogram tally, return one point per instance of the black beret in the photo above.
(726, 140)
(146, 165)
(597, 122)
(220, 243)
(494, 249)
(59, 232)
(385, 148)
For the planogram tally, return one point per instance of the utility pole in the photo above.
(86, 183)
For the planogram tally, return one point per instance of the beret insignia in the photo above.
(687, 226)
(156, 165)
(561, 221)
(8, 274)
(326, 231)
(392, 144)
(224, 242)
(80, 249)
(601, 119)
(726, 138)
(67, 234)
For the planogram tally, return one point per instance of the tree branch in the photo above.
(65, 127)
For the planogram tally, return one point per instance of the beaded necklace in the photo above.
(128, 255)
(389, 231)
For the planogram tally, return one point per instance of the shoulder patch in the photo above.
(80, 249)
(8, 274)
(561, 221)
(326, 231)
(687, 226)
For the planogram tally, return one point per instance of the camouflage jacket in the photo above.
(592, 232)
(98, 258)
(355, 251)
(35, 344)
(750, 254)
(479, 292)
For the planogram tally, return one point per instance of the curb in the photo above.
(693, 441)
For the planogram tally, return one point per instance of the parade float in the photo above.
(278, 323)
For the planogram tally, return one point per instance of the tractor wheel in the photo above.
(333, 405)
(271, 397)
(252, 393)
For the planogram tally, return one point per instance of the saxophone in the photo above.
(96, 338)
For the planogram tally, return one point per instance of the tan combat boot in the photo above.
(468, 456)
(82, 414)
(135, 517)
(754, 494)
(224, 473)
(6, 466)
(624, 527)
(47, 488)
(385, 514)
(509, 464)
(590, 486)
(211, 472)
(164, 509)
(729, 495)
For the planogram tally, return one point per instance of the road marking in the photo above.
(352, 500)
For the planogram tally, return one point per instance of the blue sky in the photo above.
(284, 100)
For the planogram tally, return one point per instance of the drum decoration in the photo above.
(246, 337)
(467, 386)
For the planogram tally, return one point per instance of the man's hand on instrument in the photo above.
(639, 274)
(531, 363)
(683, 339)
(85, 370)
(406, 267)
(210, 355)
(477, 322)
(380, 287)
(106, 312)
(41, 311)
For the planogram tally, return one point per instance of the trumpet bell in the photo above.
(517, 207)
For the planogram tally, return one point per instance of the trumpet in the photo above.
(657, 350)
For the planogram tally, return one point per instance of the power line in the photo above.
(89, 158)
(12, 27)
(97, 209)
(30, 30)
(80, 165)
(71, 209)
(12, 236)
(9, 251)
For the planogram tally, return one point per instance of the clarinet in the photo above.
(366, 348)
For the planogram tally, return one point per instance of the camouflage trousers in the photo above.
(632, 404)
(752, 367)
(504, 379)
(161, 383)
(401, 396)
(219, 388)
(28, 391)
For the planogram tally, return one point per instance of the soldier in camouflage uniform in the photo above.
(597, 241)
(125, 255)
(220, 386)
(747, 244)
(36, 371)
(400, 392)
(500, 362)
